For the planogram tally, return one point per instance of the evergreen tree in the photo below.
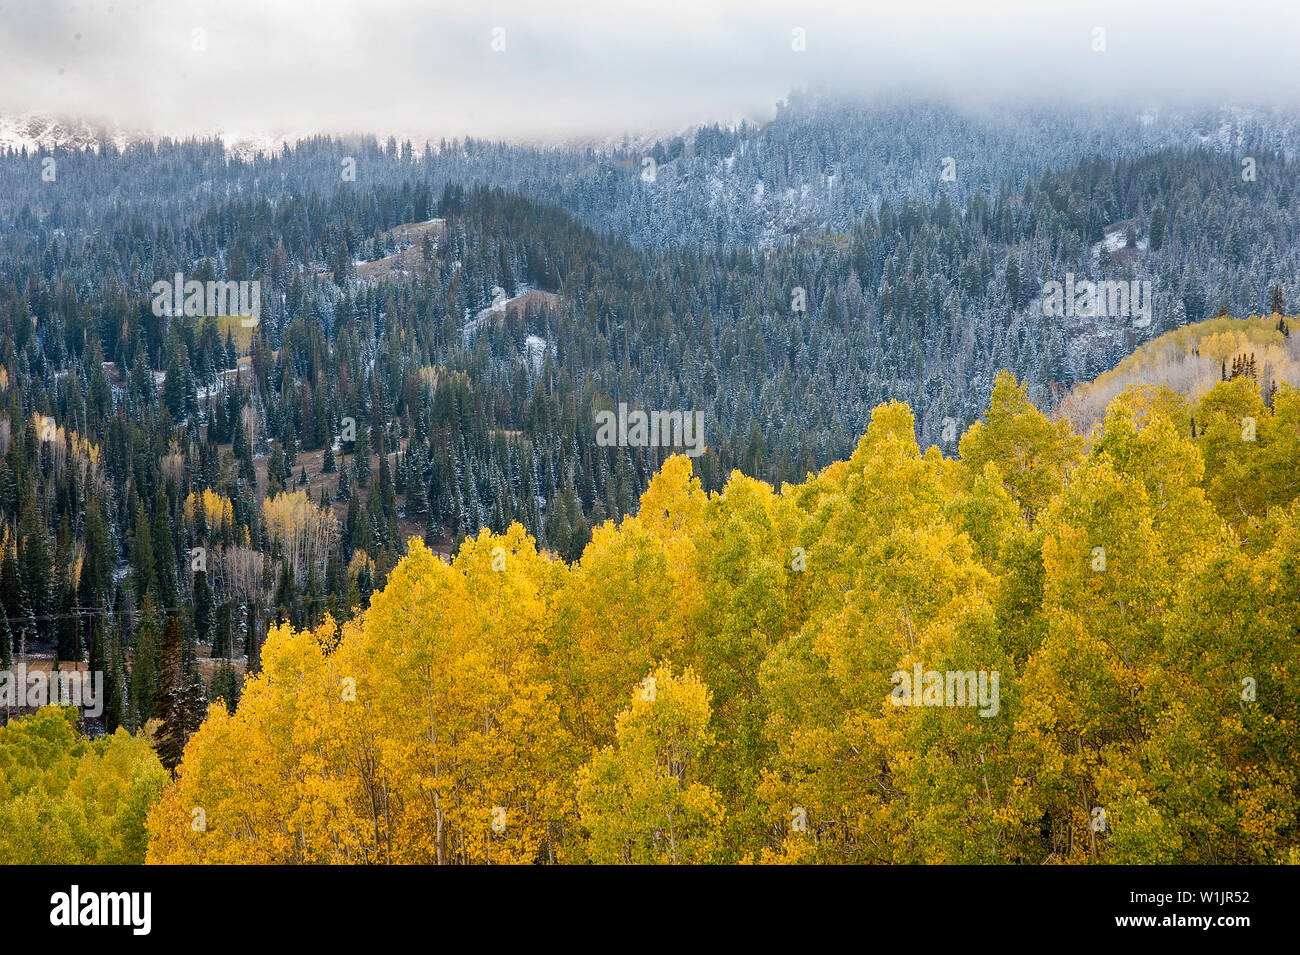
(144, 665)
(361, 460)
(223, 636)
(179, 700)
(36, 568)
(225, 685)
(164, 550)
(142, 559)
(203, 607)
(6, 641)
(116, 702)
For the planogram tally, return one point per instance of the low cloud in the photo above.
(583, 68)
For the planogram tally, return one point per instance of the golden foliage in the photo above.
(1190, 361)
(67, 800)
(302, 531)
(718, 677)
(216, 511)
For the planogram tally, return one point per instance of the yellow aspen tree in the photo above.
(610, 624)
(752, 576)
(640, 800)
(885, 561)
(1032, 454)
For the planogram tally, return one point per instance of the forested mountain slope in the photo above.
(718, 677)
(430, 355)
(1193, 359)
(818, 164)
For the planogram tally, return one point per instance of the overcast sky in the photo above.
(588, 68)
